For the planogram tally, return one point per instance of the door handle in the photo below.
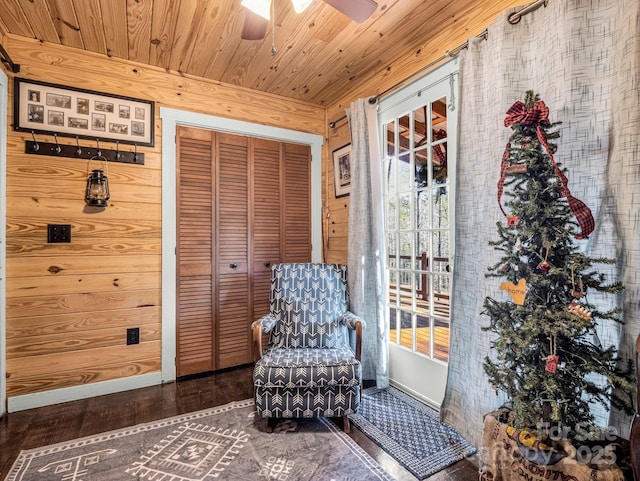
(267, 264)
(234, 265)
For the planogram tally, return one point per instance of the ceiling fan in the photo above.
(259, 13)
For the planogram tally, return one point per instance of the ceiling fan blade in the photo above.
(356, 10)
(255, 26)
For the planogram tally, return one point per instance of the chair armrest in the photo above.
(350, 319)
(355, 323)
(260, 326)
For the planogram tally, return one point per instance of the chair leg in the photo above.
(269, 425)
(346, 424)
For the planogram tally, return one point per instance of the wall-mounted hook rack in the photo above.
(54, 149)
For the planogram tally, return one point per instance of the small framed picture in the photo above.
(342, 170)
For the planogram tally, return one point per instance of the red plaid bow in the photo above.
(519, 113)
(539, 113)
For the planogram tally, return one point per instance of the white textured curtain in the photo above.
(582, 57)
(366, 251)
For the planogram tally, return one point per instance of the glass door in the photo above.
(418, 130)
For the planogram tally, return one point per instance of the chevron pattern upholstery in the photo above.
(308, 368)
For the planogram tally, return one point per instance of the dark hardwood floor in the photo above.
(62, 422)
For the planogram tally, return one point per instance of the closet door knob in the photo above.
(233, 266)
(267, 264)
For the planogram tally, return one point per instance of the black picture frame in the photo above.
(47, 108)
(342, 170)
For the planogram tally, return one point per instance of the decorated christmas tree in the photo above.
(547, 356)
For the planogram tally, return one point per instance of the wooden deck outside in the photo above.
(423, 334)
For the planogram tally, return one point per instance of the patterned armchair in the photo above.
(309, 368)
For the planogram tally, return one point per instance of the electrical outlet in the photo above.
(58, 233)
(133, 336)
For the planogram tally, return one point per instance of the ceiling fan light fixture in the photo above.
(259, 7)
(301, 5)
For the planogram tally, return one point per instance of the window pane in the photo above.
(404, 173)
(422, 209)
(406, 247)
(393, 287)
(406, 333)
(404, 212)
(438, 140)
(420, 127)
(440, 219)
(422, 292)
(422, 249)
(390, 175)
(392, 214)
(440, 245)
(421, 168)
(423, 335)
(403, 133)
(393, 329)
(390, 130)
(441, 339)
(439, 113)
(439, 159)
(440, 294)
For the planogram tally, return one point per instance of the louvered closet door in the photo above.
(234, 303)
(296, 203)
(266, 200)
(195, 317)
(243, 205)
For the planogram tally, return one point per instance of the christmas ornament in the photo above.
(552, 359)
(518, 244)
(544, 265)
(579, 310)
(516, 291)
(512, 220)
(552, 364)
(517, 169)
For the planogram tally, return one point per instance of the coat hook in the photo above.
(36, 146)
(135, 152)
(117, 150)
(58, 149)
(98, 153)
(78, 149)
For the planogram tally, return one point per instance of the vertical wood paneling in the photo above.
(195, 316)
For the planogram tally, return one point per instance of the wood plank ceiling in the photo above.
(320, 52)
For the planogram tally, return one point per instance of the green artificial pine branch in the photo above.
(541, 250)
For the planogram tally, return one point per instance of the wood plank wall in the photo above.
(464, 20)
(69, 305)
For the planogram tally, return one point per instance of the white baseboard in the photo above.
(47, 398)
(418, 396)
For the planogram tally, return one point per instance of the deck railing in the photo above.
(405, 278)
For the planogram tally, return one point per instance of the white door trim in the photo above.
(171, 118)
(4, 95)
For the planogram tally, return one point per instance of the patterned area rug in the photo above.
(223, 443)
(410, 431)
